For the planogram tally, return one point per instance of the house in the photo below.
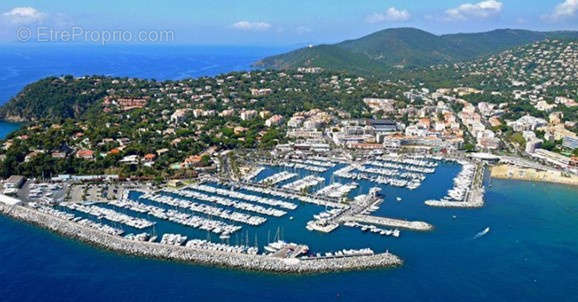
(192, 161)
(275, 120)
(248, 115)
(198, 113)
(555, 118)
(162, 151)
(124, 104)
(149, 157)
(30, 156)
(238, 130)
(130, 159)
(261, 92)
(178, 116)
(295, 121)
(227, 113)
(264, 114)
(85, 154)
(59, 155)
(114, 151)
(424, 123)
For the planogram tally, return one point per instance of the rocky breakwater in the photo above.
(196, 255)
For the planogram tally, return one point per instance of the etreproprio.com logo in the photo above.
(79, 34)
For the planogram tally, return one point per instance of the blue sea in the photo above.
(22, 64)
(529, 254)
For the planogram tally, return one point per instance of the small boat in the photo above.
(398, 198)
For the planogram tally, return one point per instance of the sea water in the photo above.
(22, 64)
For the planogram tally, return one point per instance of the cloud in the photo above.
(392, 14)
(566, 9)
(24, 15)
(482, 10)
(252, 26)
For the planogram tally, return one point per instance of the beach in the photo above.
(528, 174)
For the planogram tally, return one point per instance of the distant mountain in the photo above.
(384, 50)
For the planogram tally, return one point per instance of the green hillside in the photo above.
(382, 51)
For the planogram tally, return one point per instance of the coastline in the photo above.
(258, 263)
(529, 174)
(7, 127)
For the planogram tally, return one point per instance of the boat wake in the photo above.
(482, 233)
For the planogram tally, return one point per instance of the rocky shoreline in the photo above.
(259, 263)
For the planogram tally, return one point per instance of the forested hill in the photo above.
(380, 52)
(58, 98)
(53, 97)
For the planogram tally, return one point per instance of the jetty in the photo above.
(388, 222)
(358, 212)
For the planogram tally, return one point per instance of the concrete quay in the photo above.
(260, 263)
(389, 222)
(475, 199)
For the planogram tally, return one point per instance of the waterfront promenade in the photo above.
(195, 255)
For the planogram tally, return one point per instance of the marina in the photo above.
(467, 191)
(304, 184)
(265, 215)
(450, 246)
(178, 217)
(108, 214)
(277, 178)
(337, 190)
(206, 209)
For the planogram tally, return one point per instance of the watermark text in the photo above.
(80, 34)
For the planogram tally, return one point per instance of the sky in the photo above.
(266, 22)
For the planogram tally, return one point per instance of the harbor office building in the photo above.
(13, 184)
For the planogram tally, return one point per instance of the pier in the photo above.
(358, 212)
(388, 222)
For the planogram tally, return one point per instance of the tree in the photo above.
(205, 160)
